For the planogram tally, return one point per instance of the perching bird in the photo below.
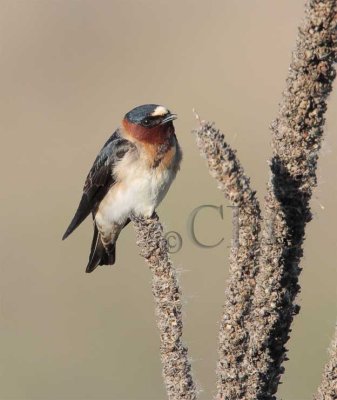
(131, 175)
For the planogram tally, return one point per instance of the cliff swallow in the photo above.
(131, 174)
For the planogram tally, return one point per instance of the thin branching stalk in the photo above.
(256, 323)
(296, 141)
(176, 366)
(328, 388)
(232, 181)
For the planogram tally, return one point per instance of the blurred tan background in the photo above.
(69, 71)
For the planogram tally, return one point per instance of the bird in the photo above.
(130, 176)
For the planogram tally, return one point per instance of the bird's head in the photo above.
(150, 123)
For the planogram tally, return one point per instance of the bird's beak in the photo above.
(168, 118)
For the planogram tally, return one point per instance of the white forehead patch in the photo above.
(160, 111)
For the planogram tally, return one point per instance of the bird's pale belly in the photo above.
(140, 194)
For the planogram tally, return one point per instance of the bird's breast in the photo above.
(140, 184)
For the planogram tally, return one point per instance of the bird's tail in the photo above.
(99, 255)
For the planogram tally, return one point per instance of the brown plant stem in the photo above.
(328, 387)
(233, 338)
(176, 366)
(296, 140)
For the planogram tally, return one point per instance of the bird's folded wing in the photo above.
(100, 178)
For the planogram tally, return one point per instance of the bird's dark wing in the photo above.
(100, 178)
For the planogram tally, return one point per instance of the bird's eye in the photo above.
(146, 122)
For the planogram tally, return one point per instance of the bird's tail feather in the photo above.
(99, 255)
